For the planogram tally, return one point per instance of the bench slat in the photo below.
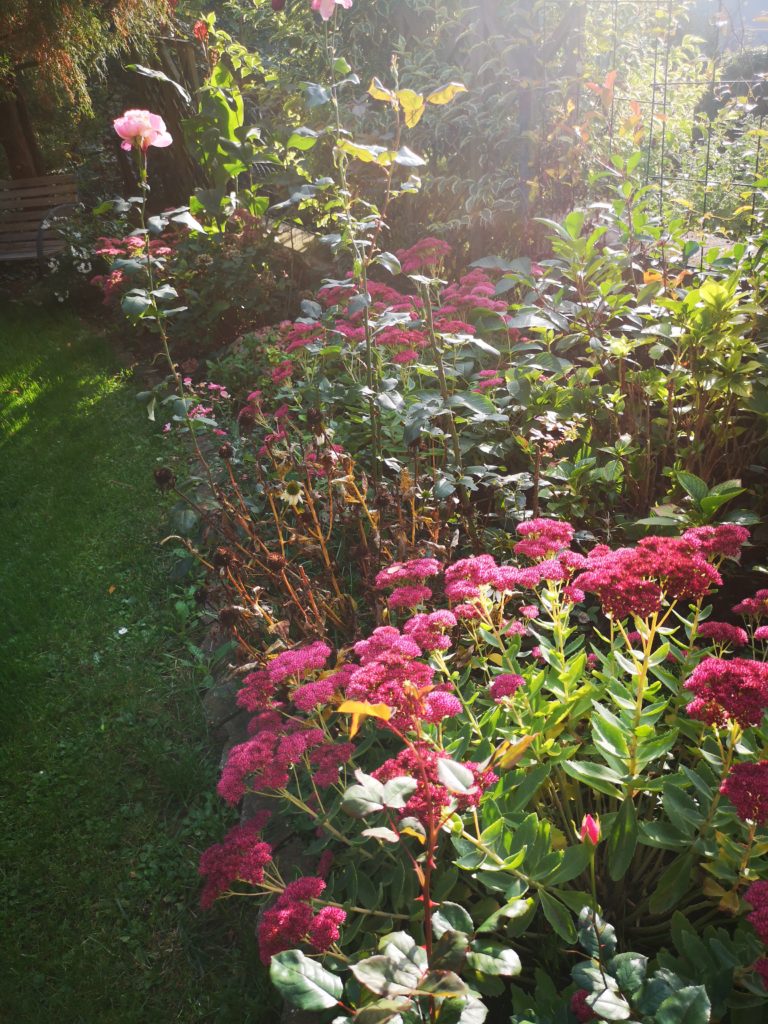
(7, 184)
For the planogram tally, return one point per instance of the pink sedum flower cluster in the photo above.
(265, 760)
(431, 797)
(241, 856)
(723, 633)
(292, 921)
(747, 788)
(734, 690)
(259, 687)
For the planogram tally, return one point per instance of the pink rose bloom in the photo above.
(325, 7)
(142, 129)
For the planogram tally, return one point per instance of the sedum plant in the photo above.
(532, 745)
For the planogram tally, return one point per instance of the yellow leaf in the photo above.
(712, 888)
(413, 106)
(730, 902)
(507, 754)
(413, 832)
(377, 90)
(446, 93)
(650, 276)
(368, 154)
(360, 710)
(111, 589)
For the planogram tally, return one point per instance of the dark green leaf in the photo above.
(689, 1005)
(622, 840)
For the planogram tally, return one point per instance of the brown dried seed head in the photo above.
(165, 478)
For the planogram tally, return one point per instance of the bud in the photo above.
(590, 830)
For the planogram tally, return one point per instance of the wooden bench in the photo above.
(27, 205)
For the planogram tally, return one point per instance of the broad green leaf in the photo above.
(397, 791)
(596, 937)
(692, 485)
(489, 958)
(689, 1005)
(303, 138)
(451, 917)
(454, 776)
(509, 912)
(387, 975)
(303, 982)
(609, 1005)
(629, 969)
(443, 984)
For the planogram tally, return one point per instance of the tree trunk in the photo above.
(13, 139)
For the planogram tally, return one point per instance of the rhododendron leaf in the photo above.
(379, 92)
(454, 776)
(488, 958)
(413, 106)
(397, 791)
(451, 917)
(446, 93)
(385, 834)
(303, 982)
(688, 1005)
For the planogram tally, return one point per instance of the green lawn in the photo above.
(107, 775)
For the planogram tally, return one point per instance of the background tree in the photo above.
(51, 53)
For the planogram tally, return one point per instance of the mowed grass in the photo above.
(107, 792)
